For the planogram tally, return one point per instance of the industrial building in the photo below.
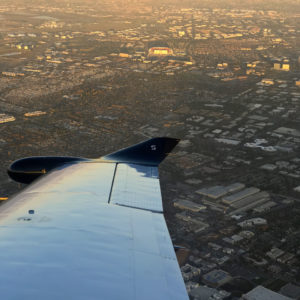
(274, 253)
(264, 207)
(160, 51)
(190, 272)
(213, 192)
(235, 198)
(240, 195)
(233, 239)
(297, 189)
(246, 234)
(216, 278)
(193, 224)
(253, 222)
(35, 113)
(235, 187)
(262, 293)
(288, 131)
(291, 290)
(219, 191)
(189, 205)
(251, 205)
(250, 199)
(4, 118)
(204, 293)
(281, 67)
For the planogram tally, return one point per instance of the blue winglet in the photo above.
(151, 152)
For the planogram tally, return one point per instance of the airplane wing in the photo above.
(92, 230)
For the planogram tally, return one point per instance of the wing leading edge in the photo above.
(92, 230)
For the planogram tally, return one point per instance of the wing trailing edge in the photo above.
(151, 152)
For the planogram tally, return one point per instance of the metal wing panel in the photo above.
(165, 277)
(59, 244)
(64, 254)
(163, 238)
(78, 178)
(137, 186)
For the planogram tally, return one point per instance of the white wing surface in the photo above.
(91, 230)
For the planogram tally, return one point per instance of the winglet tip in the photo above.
(149, 152)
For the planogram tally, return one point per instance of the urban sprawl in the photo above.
(87, 79)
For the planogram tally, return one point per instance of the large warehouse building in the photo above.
(160, 51)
